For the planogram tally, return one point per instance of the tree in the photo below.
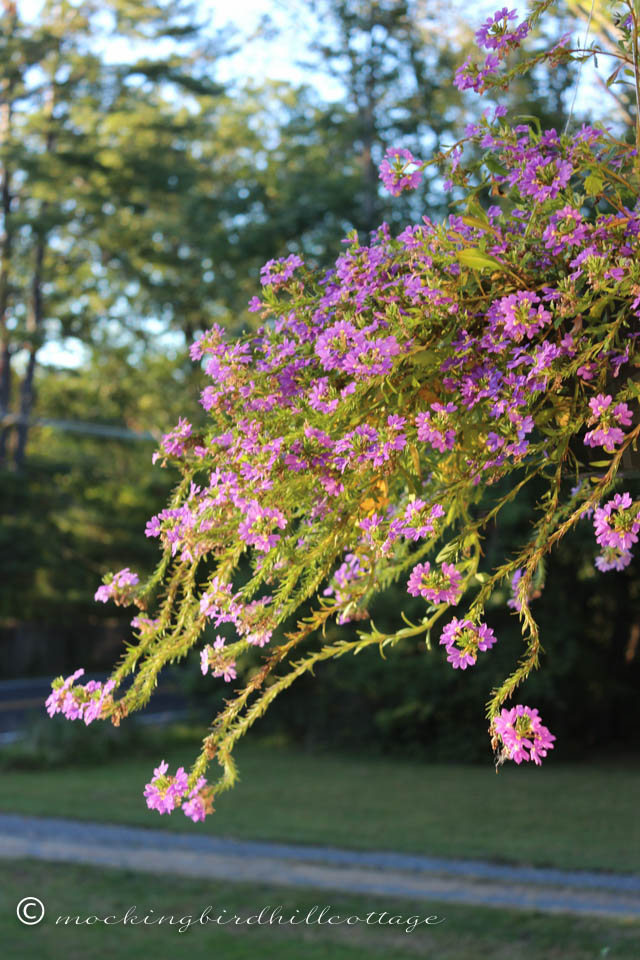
(393, 59)
(77, 134)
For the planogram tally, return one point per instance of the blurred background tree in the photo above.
(145, 177)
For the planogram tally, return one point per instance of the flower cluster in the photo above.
(275, 273)
(462, 640)
(609, 419)
(115, 589)
(165, 792)
(438, 586)
(400, 170)
(523, 735)
(434, 426)
(616, 526)
(380, 416)
(83, 702)
(494, 33)
(212, 658)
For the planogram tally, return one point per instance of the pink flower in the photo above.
(433, 426)
(398, 171)
(81, 702)
(123, 578)
(212, 656)
(523, 735)
(616, 524)
(198, 801)
(441, 586)
(55, 701)
(276, 272)
(204, 660)
(163, 793)
(420, 522)
(613, 558)
(257, 527)
(463, 639)
(607, 433)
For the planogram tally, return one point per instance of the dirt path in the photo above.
(383, 874)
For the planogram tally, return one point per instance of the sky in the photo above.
(259, 60)
(275, 60)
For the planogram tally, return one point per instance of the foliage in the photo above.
(46, 745)
(81, 493)
(364, 435)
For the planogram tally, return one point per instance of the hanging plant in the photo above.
(357, 438)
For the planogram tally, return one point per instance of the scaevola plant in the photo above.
(356, 440)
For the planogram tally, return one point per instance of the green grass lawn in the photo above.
(466, 933)
(569, 816)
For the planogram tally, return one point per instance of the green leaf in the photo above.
(476, 222)
(593, 184)
(599, 305)
(476, 211)
(492, 164)
(476, 260)
(447, 551)
(634, 386)
(424, 356)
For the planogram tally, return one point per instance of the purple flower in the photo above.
(195, 804)
(347, 575)
(613, 558)
(463, 639)
(544, 178)
(173, 442)
(81, 702)
(212, 657)
(123, 578)
(523, 735)
(55, 700)
(439, 586)
(257, 527)
(227, 671)
(371, 357)
(163, 793)
(336, 342)
(420, 521)
(608, 419)
(515, 603)
(275, 273)
(518, 315)
(434, 427)
(616, 524)
(396, 171)
(470, 76)
(566, 229)
(494, 35)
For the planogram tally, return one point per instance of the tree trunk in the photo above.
(369, 171)
(27, 392)
(36, 314)
(6, 240)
